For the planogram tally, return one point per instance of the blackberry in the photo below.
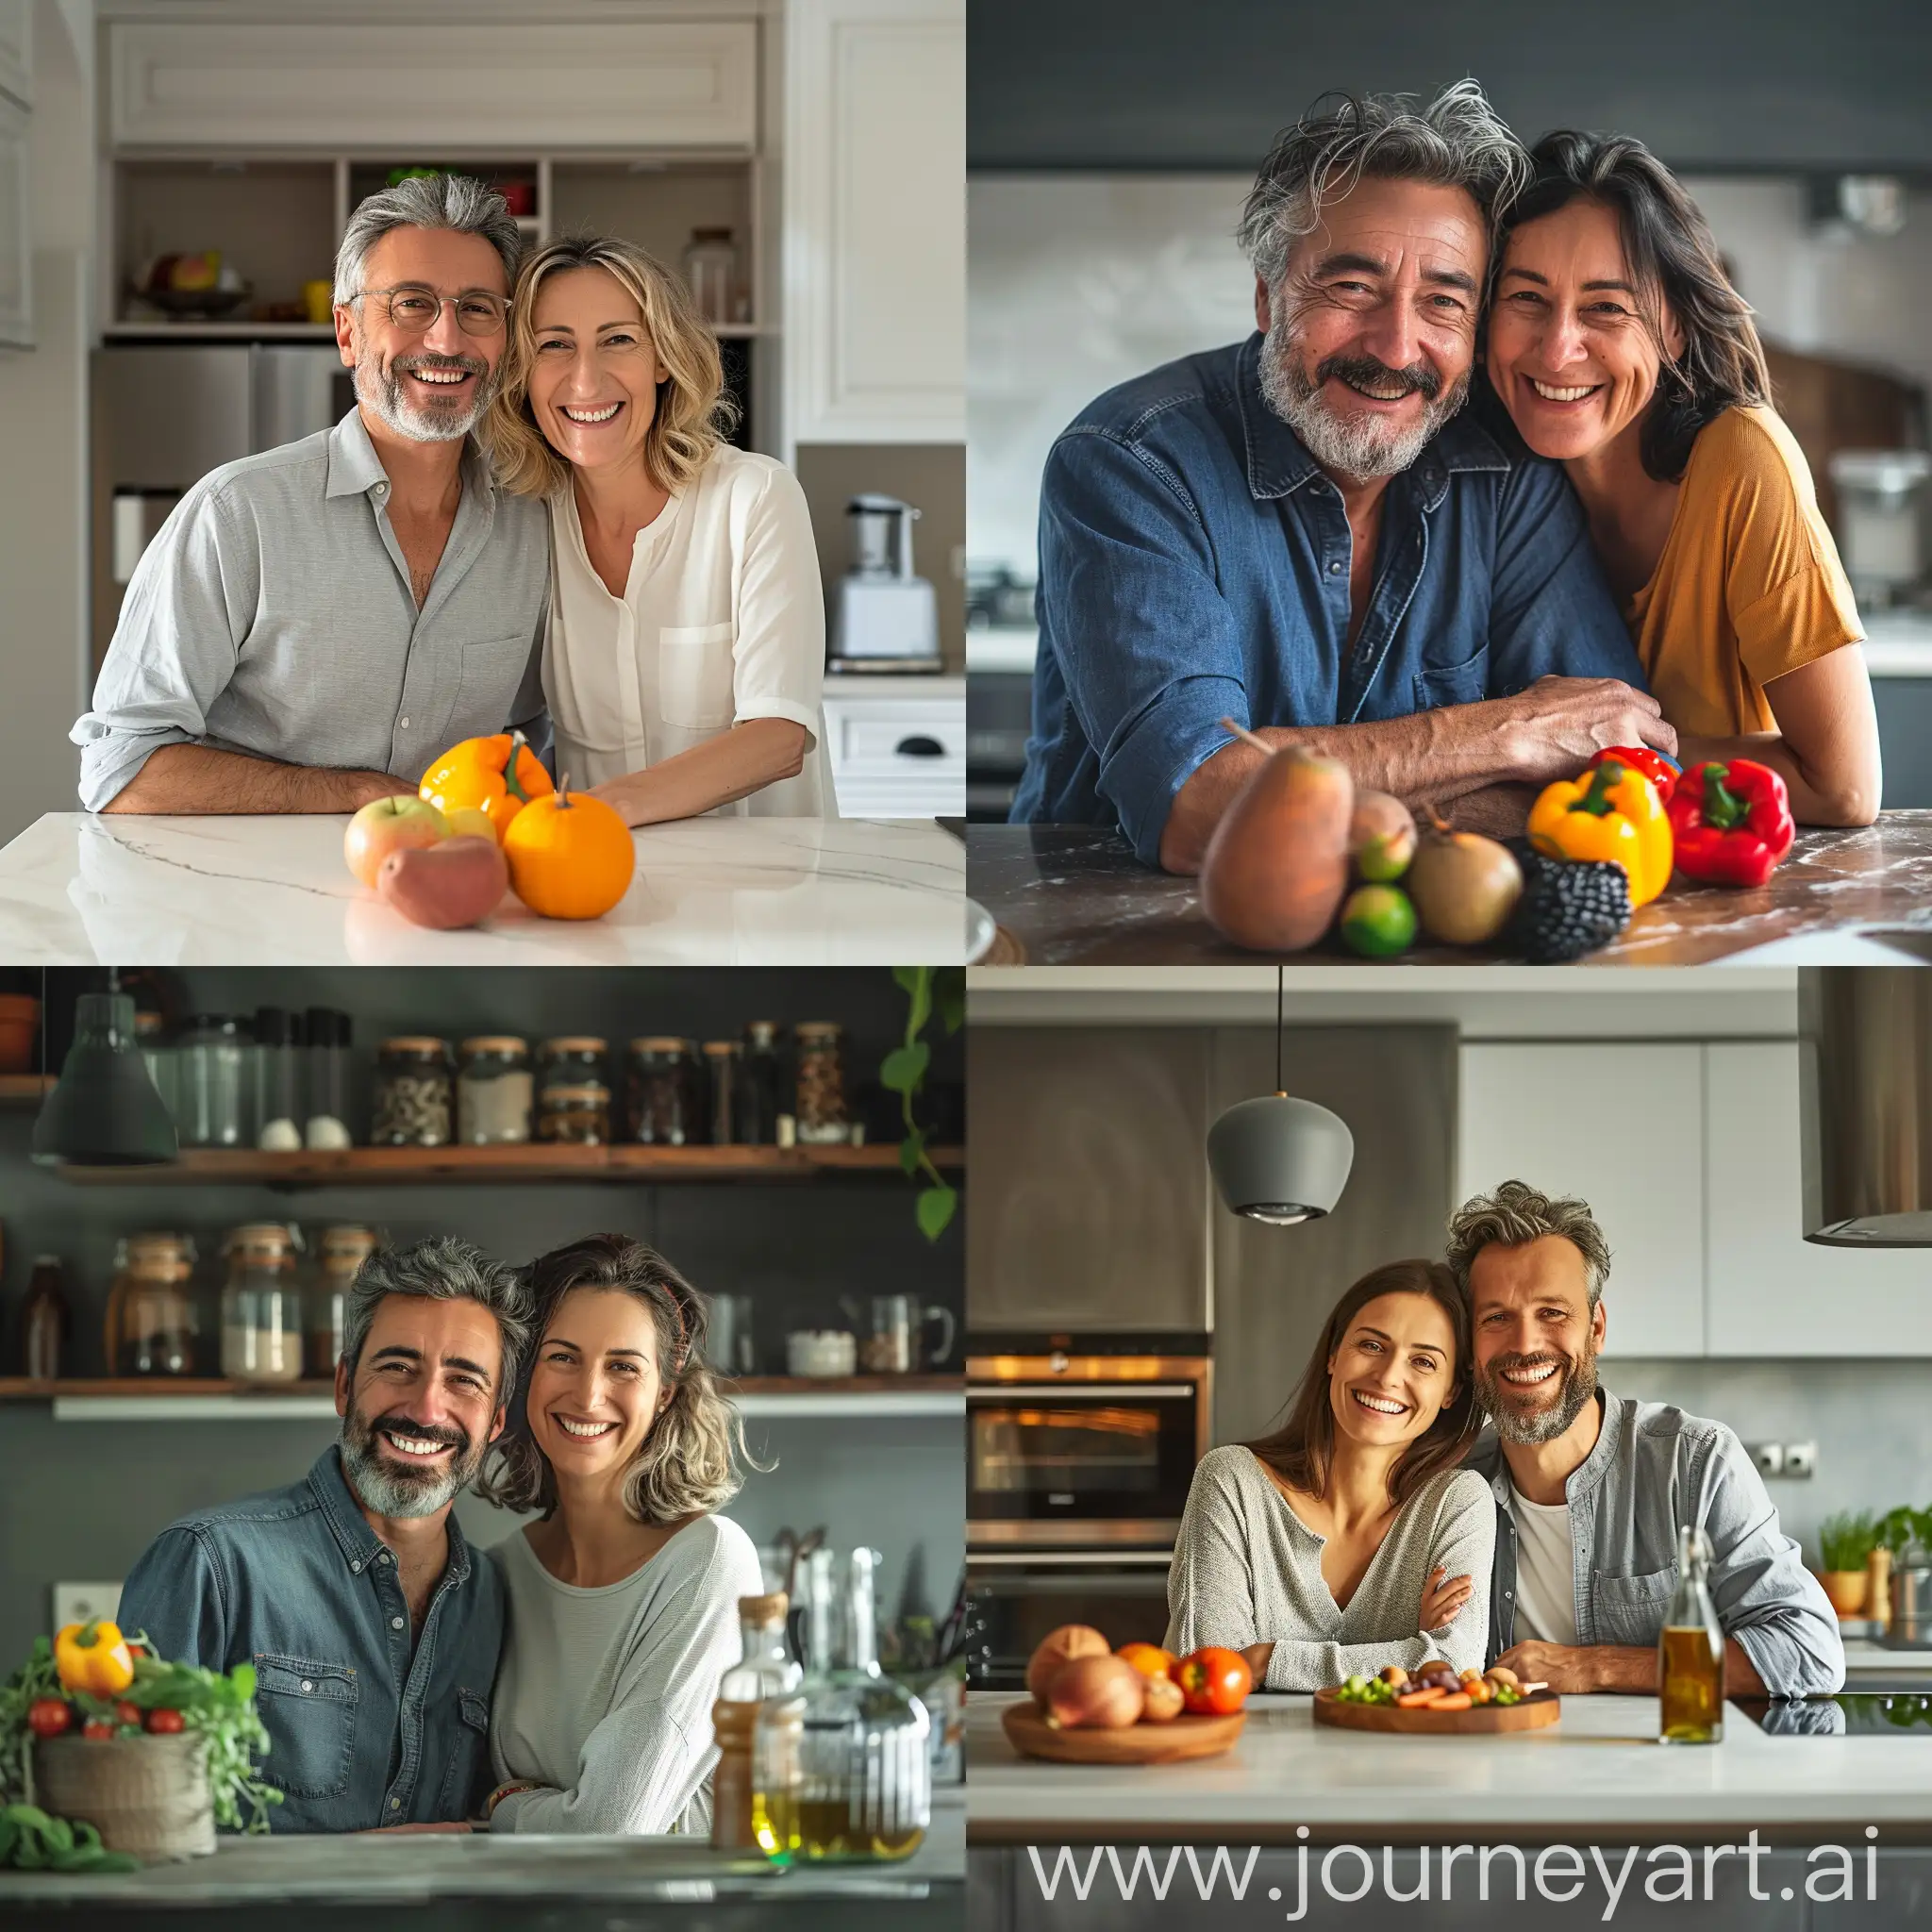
(1568, 908)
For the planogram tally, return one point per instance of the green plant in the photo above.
(929, 990)
(1900, 1529)
(1845, 1541)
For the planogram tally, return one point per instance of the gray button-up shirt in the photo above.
(1653, 1469)
(272, 614)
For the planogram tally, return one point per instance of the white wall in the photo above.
(43, 436)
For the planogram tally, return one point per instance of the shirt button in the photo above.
(355, 1569)
(385, 1556)
(1334, 570)
(406, 724)
(395, 1804)
(1509, 1596)
(395, 1623)
(307, 1685)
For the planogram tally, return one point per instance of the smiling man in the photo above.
(373, 1627)
(1591, 1489)
(1301, 533)
(312, 625)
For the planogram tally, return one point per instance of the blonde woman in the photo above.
(622, 1598)
(686, 647)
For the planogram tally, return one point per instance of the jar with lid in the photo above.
(664, 1109)
(711, 270)
(213, 1079)
(575, 1059)
(341, 1251)
(325, 1125)
(413, 1093)
(262, 1305)
(277, 1080)
(46, 1322)
(494, 1091)
(721, 1092)
(821, 1109)
(151, 1327)
(760, 1085)
(574, 1116)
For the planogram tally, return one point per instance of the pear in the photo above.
(1276, 867)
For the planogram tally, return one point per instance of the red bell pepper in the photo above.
(1662, 772)
(1732, 823)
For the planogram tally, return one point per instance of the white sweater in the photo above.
(604, 1696)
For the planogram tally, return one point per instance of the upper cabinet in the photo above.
(17, 50)
(621, 85)
(875, 230)
(16, 235)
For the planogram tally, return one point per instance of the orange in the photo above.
(1149, 1658)
(569, 857)
(497, 776)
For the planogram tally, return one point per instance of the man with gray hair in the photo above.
(1302, 534)
(1591, 1489)
(373, 1627)
(313, 626)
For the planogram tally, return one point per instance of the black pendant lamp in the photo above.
(1278, 1159)
(104, 1111)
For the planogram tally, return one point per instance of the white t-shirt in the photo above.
(1546, 1571)
(722, 619)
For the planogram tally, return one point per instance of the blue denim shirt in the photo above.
(1194, 565)
(365, 1728)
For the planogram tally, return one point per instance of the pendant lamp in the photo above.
(1276, 1158)
(104, 1111)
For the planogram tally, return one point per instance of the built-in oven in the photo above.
(1015, 1597)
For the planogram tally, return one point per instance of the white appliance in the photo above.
(886, 618)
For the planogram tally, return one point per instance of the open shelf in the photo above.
(24, 1089)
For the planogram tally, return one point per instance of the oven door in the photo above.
(1015, 1598)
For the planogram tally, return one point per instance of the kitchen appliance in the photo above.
(884, 619)
(1880, 522)
(1848, 1714)
(1910, 1623)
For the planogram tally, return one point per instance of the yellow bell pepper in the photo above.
(496, 775)
(93, 1657)
(1611, 812)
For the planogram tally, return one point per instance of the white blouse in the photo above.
(721, 619)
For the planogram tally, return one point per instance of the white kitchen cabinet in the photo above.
(1620, 1127)
(621, 85)
(898, 747)
(16, 232)
(17, 50)
(1772, 1292)
(874, 223)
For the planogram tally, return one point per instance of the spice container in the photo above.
(494, 1091)
(212, 1090)
(277, 1081)
(574, 1116)
(261, 1305)
(413, 1093)
(821, 1111)
(760, 1086)
(151, 1327)
(327, 1121)
(664, 1110)
(721, 1092)
(341, 1252)
(574, 1060)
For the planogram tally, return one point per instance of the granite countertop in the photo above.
(1075, 895)
(1599, 1768)
(77, 889)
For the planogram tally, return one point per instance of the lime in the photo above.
(1378, 921)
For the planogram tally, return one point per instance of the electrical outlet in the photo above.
(82, 1602)
(1769, 1456)
(1801, 1461)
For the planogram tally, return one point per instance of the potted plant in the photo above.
(1844, 1542)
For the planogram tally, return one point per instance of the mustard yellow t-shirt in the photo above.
(1749, 584)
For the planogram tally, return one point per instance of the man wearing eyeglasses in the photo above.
(312, 625)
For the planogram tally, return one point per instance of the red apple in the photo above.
(402, 824)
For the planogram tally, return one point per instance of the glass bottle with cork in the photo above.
(766, 1671)
(1691, 1652)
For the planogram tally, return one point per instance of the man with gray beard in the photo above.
(1301, 533)
(313, 626)
(373, 1627)
(1591, 1489)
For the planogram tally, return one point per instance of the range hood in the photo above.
(1866, 1067)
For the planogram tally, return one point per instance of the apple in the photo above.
(402, 824)
(472, 822)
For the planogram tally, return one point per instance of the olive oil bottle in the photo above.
(1690, 1653)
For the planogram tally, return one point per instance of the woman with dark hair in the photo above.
(1621, 350)
(1349, 1538)
(622, 1598)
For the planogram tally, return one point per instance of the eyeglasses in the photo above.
(416, 309)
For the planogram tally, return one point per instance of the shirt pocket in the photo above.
(1630, 1609)
(468, 1746)
(1453, 684)
(694, 668)
(309, 1710)
(484, 694)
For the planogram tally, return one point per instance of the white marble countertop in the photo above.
(77, 889)
(1599, 1766)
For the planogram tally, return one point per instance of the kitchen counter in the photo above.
(451, 1880)
(77, 889)
(1075, 895)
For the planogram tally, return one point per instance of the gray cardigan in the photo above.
(1248, 1569)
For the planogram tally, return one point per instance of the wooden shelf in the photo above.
(464, 1166)
(24, 1089)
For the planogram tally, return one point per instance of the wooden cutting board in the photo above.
(1538, 1709)
(1031, 1735)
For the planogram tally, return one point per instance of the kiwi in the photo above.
(1464, 887)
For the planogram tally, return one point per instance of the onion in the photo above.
(1164, 1700)
(1059, 1647)
(1102, 1693)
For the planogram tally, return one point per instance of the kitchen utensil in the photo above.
(1911, 1599)
(1031, 1735)
(732, 1350)
(1536, 1709)
(884, 617)
(895, 1345)
(821, 1353)
(319, 302)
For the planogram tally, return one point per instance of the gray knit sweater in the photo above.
(1247, 1570)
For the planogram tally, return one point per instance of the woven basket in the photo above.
(146, 1797)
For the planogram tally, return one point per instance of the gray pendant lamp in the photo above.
(104, 1111)
(1276, 1158)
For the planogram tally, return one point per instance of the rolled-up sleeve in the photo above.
(1145, 641)
(778, 657)
(174, 652)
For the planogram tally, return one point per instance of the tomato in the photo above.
(1149, 1658)
(47, 1717)
(1214, 1681)
(128, 1714)
(99, 1727)
(165, 1722)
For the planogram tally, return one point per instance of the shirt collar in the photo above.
(356, 469)
(1488, 1460)
(1279, 462)
(360, 1544)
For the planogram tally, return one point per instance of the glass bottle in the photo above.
(341, 1252)
(261, 1305)
(325, 1122)
(151, 1327)
(1691, 1652)
(494, 1091)
(765, 1670)
(760, 1085)
(46, 1322)
(212, 1083)
(721, 1092)
(277, 1081)
(821, 1114)
(413, 1093)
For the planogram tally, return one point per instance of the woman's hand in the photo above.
(1443, 1597)
(747, 758)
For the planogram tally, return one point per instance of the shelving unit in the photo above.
(24, 1089)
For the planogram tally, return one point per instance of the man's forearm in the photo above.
(1620, 1667)
(192, 779)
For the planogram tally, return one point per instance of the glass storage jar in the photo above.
(721, 1092)
(821, 1109)
(152, 1328)
(576, 1059)
(711, 272)
(214, 1082)
(413, 1092)
(574, 1116)
(664, 1110)
(262, 1305)
(341, 1251)
(760, 1085)
(494, 1091)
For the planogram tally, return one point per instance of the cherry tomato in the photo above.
(128, 1713)
(165, 1722)
(47, 1717)
(1214, 1681)
(99, 1727)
